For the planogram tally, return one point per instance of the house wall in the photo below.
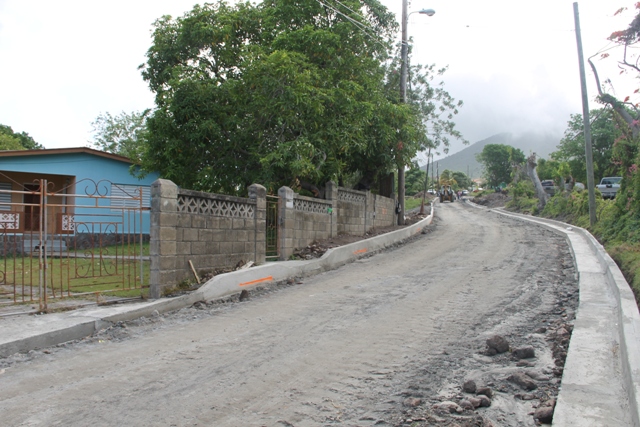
(92, 175)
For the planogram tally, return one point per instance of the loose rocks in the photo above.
(486, 391)
(544, 414)
(497, 345)
(449, 407)
(524, 353)
(523, 381)
(469, 386)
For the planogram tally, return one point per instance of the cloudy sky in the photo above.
(513, 63)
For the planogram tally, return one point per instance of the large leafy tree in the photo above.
(283, 92)
(499, 161)
(268, 93)
(604, 132)
(124, 134)
(25, 141)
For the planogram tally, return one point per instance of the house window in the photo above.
(5, 198)
(126, 196)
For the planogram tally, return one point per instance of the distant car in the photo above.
(549, 186)
(465, 192)
(609, 186)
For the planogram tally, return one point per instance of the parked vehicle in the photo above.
(549, 186)
(609, 186)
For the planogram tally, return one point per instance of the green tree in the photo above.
(462, 180)
(604, 132)
(8, 142)
(547, 169)
(279, 92)
(124, 134)
(268, 93)
(25, 140)
(414, 179)
(499, 161)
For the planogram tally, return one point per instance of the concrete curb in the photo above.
(578, 397)
(25, 333)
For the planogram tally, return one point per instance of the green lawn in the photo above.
(71, 276)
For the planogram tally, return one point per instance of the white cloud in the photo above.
(513, 63)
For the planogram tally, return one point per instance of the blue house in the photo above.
(70, 191)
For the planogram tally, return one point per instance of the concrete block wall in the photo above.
(302, 220)
(384, 209)
(352, 208)
(210, 230)
(360, 211)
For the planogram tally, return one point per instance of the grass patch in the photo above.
(70, 276)
(413, 202)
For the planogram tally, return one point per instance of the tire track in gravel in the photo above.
(344, 348)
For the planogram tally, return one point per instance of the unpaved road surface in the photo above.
(376, 342)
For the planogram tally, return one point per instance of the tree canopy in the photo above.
(498, 161)
(9, 138)
(124, 134)
(604, 133)
(280, 92)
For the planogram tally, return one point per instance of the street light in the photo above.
(403, 94)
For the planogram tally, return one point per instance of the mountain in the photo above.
(465, 160)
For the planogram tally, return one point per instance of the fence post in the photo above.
(286, 222)
(331, 193)
(259, 193)
(370, 211)
(164, 217)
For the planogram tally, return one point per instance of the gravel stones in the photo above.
(524, 353)
(544, 413)
(486, 391)
(469, 386)
(496, 345)
(448, 406)
(523, 381)
(485, 402)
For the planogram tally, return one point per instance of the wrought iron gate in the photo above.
(63, 243)
(272, 242)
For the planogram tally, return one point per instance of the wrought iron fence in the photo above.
(83, 239)
(272, 242)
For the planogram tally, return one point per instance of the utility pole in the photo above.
(587, 125)
(426, 178)
(403, 99)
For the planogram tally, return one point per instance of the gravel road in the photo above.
(376, 342)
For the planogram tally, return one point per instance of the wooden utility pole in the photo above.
(587, 125)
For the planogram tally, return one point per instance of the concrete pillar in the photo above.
(286, 223)
(258, 193)
(164, 218)
(331, 194)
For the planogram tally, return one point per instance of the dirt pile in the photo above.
(492, 200)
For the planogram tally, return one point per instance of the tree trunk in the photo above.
(533, 175)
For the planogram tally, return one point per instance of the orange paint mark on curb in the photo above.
(361, 251)
(253, 282)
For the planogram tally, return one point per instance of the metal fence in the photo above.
(272, 241)
(85, 239)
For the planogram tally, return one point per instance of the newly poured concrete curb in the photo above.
(601, 379)
(24, 333)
